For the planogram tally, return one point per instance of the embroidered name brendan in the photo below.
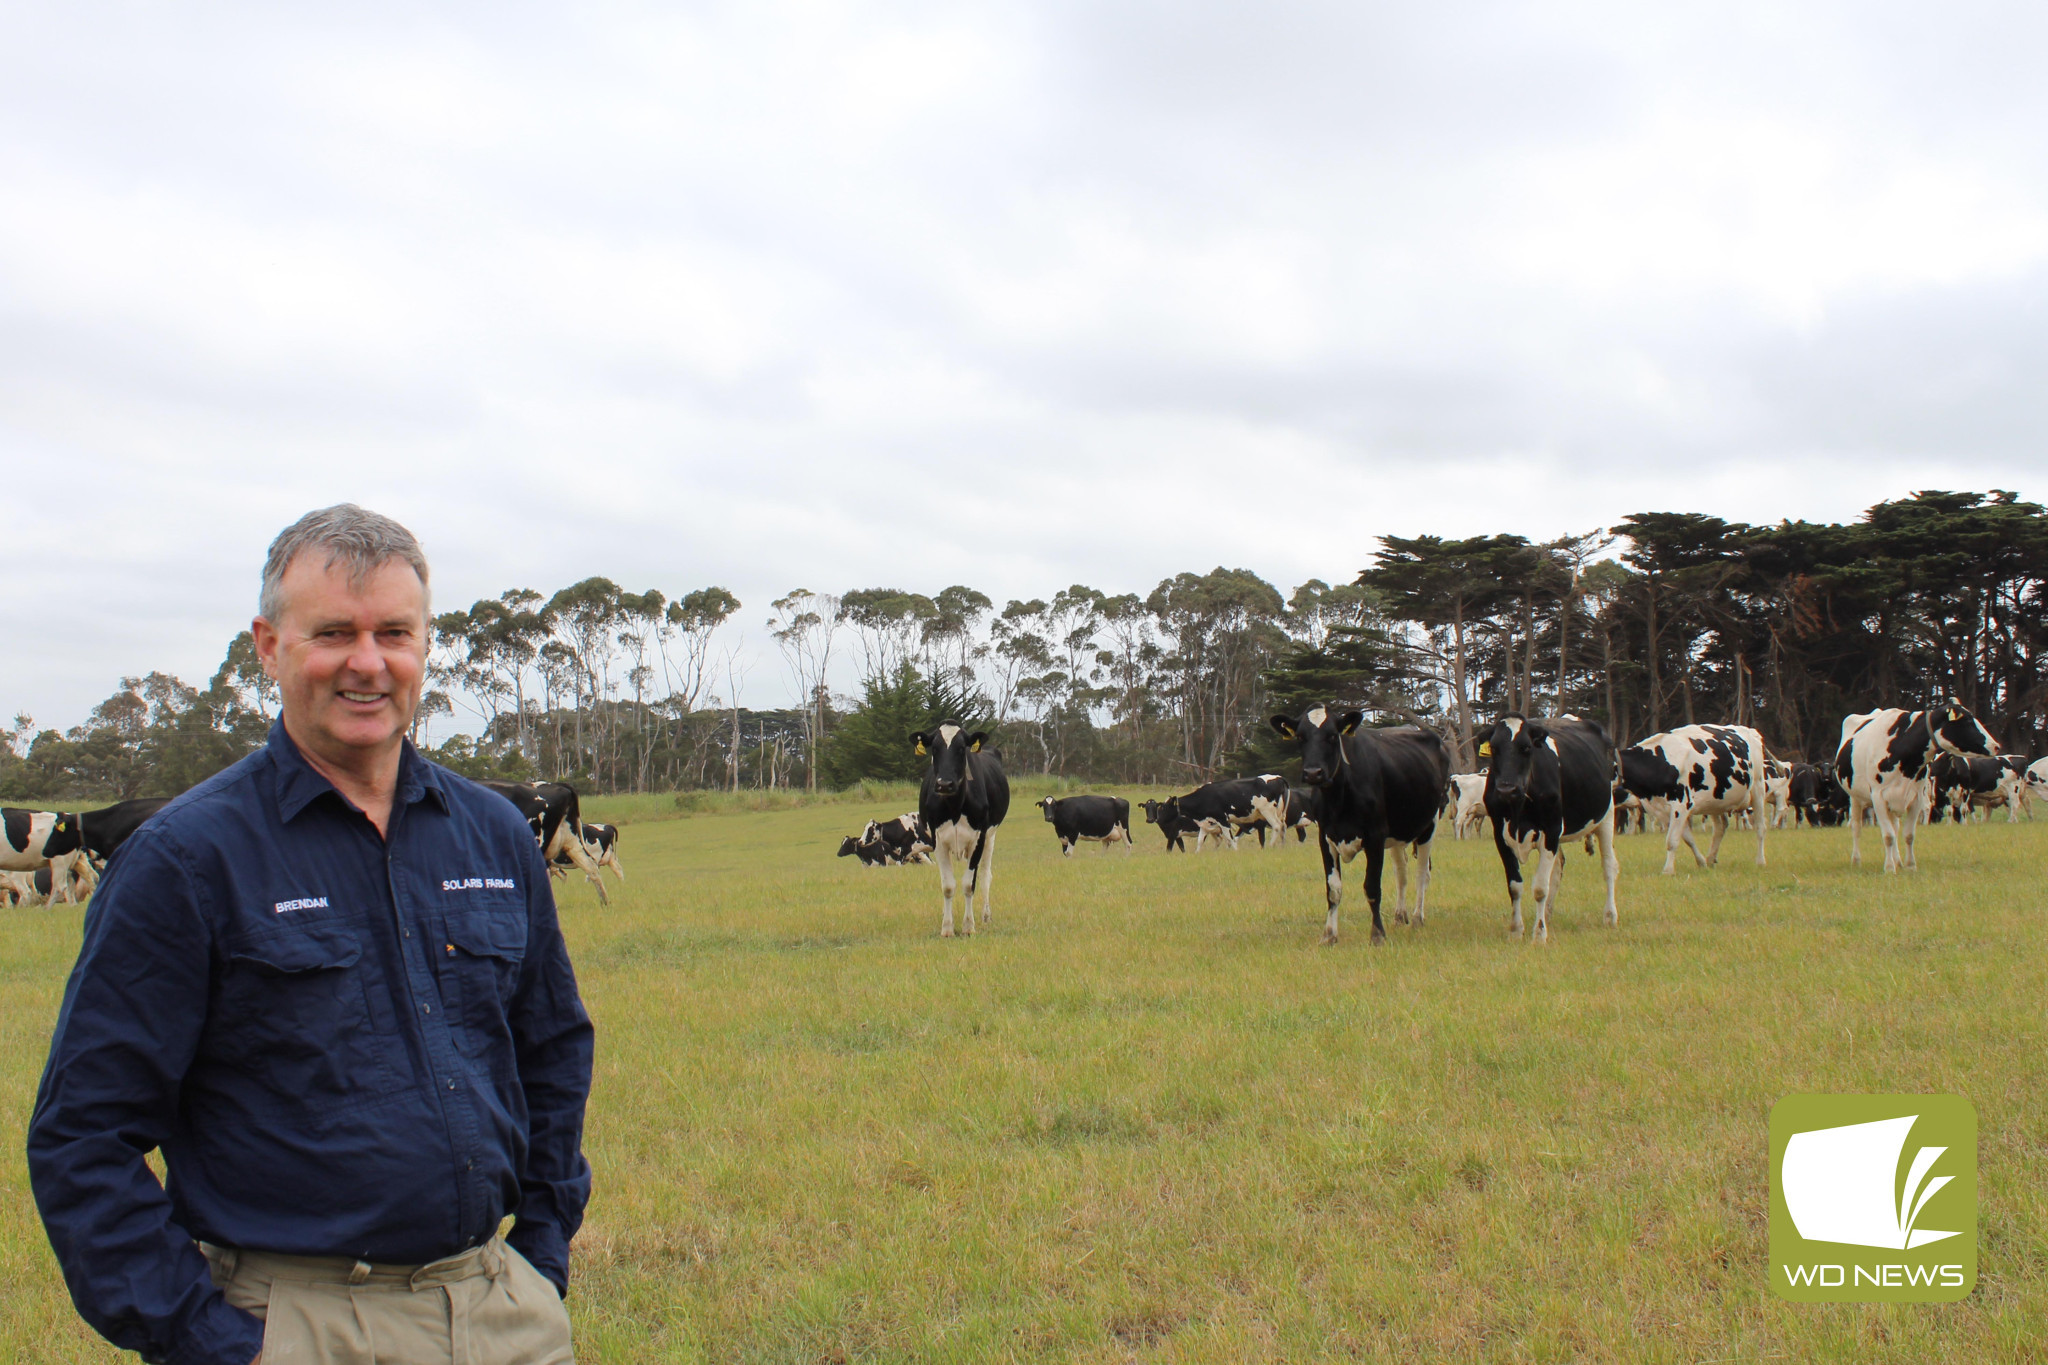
(309, 903)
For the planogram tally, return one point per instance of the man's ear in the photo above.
(1349, 722)
(1285, 727)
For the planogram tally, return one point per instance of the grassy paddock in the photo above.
(1146, 1117)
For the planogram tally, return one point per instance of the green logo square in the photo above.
(1873, 1198)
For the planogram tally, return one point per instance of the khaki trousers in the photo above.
(484, 1307)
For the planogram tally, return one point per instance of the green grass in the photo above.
(1146, 1117)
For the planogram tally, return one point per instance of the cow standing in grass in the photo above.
(964, 797)
(1548, 781)
(1715, 771)
(1371, 786)
(1883, 765)
(1105, 819)
(555, 814)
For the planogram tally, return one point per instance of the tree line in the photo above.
(1662, 619)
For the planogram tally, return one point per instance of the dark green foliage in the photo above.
(874, 741)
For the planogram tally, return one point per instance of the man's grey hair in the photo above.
(358, 539)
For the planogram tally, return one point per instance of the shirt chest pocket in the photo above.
(293, 1013)
(482, 951)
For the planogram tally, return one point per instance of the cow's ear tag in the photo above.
(1486, 749)
(920, 746)
(1951, 715)
(975, 747)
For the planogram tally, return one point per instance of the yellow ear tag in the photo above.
(1951, 716)
(920, 746)
(976, 748)
(1486, 749)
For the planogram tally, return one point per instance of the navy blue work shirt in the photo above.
(345, 1045)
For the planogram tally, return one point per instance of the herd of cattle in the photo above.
(51, 856)
(1546, 783)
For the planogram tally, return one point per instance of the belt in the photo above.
(488, 1259)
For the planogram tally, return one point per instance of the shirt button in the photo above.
(451, 950)
(428, 1009)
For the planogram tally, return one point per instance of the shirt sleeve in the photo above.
(555, 1048)
(129, 1026)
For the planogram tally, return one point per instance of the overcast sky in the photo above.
(1015, 295)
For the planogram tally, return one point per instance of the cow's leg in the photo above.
(1066, 847)
(1129, 847)
(985, 874)
(1856, 807)
(1677, 826)
(945, 852)
(569, 841)
(1400, 852)
(1333, 884)
(1887, 824)
(1423, 858)
(1511, 863)
(1375, 861)
(1541, 886)
(1907, 830)
(1610, 865)
(1720, 824)
(1760, 811)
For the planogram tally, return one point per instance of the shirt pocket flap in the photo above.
(485, 934)
(311, 949)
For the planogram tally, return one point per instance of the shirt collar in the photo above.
(299, 784)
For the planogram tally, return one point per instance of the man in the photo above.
(329, 984)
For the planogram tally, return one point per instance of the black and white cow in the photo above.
(871, 852)
(1882, 763)
(2037, 778)
(964, 798)
(106, 829)
(1802, 794)
(555, 813)
(34, 839)
(2023, 790)
(1960, 784)
(1547, 782)
(1105, 819)
(1372, 787)
(1300, 815)
(1712, 770)
(1629, 810)
(1468, 804)
(1777, 790)
(601, 842)
(906, 839)
(1175, 826)
(1221, 809)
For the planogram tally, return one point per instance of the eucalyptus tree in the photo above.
(803, 628)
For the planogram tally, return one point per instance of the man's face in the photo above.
(347, 660)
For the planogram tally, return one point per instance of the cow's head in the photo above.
(1521, 759)
(1321, 736)
(948, 745)
(849, 846)
(1046, 804)
(1959, 732)
(1151, 809)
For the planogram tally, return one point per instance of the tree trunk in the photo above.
(1463, 709)
(1650, 656)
